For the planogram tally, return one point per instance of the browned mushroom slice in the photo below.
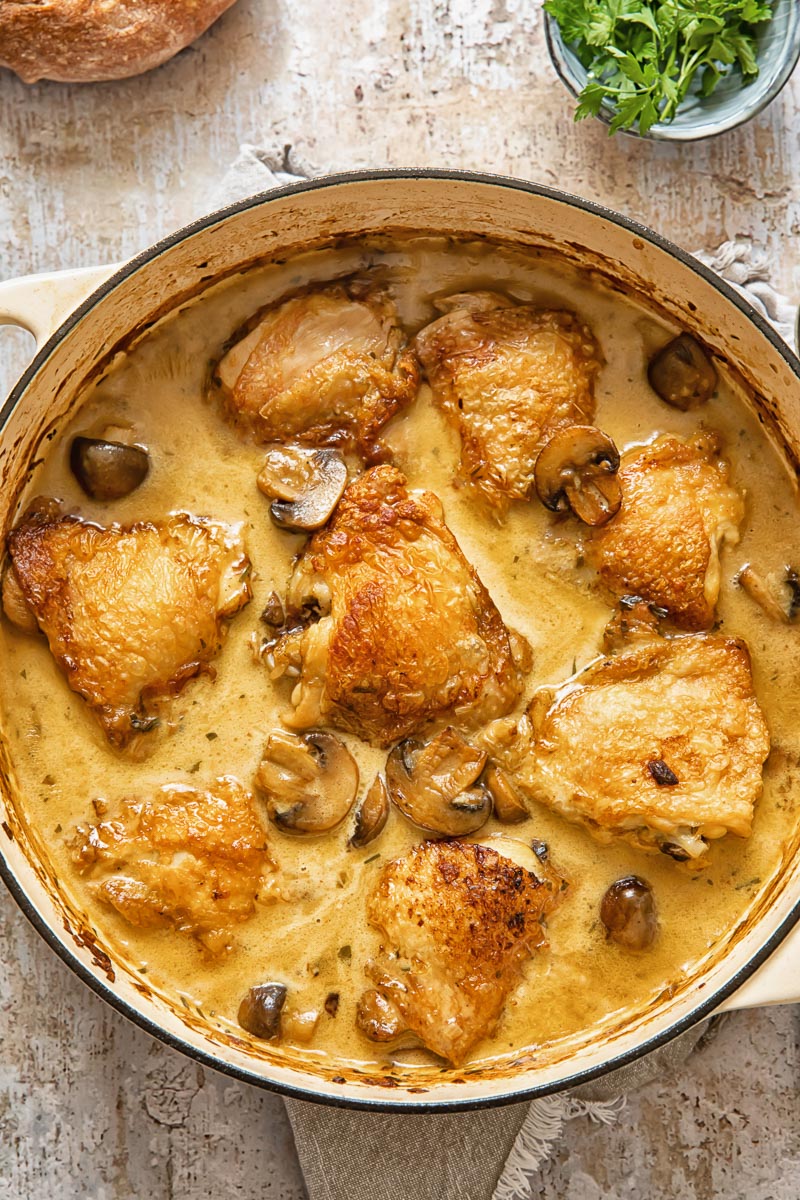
(577, 471)
(309, 782)
(682, 374)
(299, 1025)
(304, 485)
(378, 1019)
(108, 470)
(508, 804)
(372, 815)
(436, 784)
(778, 608)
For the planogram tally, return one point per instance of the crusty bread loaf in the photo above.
(82, 41)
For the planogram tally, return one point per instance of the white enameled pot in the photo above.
(82, 319)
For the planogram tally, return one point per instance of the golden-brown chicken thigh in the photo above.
(131, 614)
(678, 510)
(406, 634)
(507, 376)
(328, 365)
(188, 858)
(458, 921)
(662, 745)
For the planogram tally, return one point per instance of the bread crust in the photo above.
(87, 41)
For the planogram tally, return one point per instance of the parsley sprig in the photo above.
(642, 58)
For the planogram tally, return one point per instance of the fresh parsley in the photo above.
(643, 57)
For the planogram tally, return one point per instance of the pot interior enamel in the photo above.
(276, 226)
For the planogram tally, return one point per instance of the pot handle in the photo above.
(776, 982)
(39, 303)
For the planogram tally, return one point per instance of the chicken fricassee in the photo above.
(397, 663)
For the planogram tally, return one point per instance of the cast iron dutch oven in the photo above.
(82, 319)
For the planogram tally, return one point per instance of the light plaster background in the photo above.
(91, 1108)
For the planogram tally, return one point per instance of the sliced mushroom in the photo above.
(15, 606)
(577, 471)
(785, 609)
(304, 485)
(372, 814)
(300, 1025)
(107, 470)
(272, 613)
(628, 912)
(378, 1019)
(309, 781)
(260, 1010)
(508, 804)
(682, 374)
(436, 784)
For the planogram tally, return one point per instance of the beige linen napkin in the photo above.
(488, 1154)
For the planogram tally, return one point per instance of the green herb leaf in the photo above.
(644, 57)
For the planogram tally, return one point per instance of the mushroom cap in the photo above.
(682, 374)
(372, 814)
(435, 785)
(782, 609)
(576, 471)
(628, 912)
(260, 1010)
(309, 780)
(107, 470)
(304, 485)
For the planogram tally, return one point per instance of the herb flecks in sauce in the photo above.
(583, 982)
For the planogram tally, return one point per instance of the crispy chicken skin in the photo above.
(458, 921)
(327, 366)
(407, 632)
(662, 745)
(131, 614)
(678, 510)
(187, 858)
(507, 376)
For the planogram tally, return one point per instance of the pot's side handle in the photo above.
(39, 303)
(777, 982)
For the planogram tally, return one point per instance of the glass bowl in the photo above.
(730, 104)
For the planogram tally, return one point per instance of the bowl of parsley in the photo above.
(673, 70)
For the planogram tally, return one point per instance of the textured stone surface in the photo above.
(91, 1108)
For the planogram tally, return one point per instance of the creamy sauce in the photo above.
(318, 942)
